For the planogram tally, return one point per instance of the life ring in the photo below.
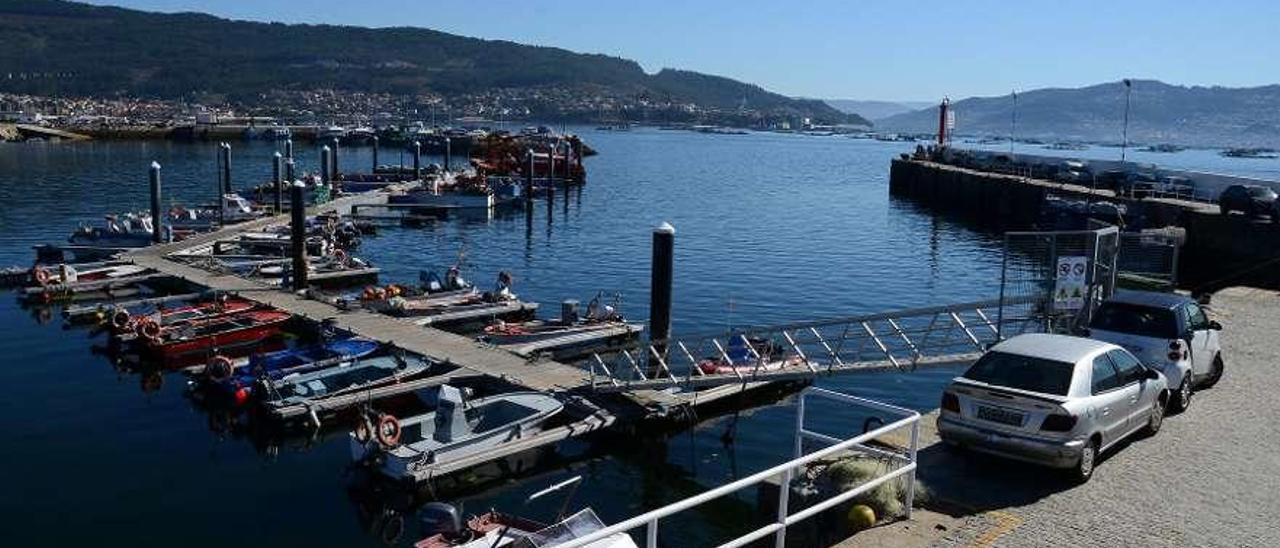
(219, 368)
(367, 294)
(41, 275)
(362, 432)
(340, 256)
(388, 431)
(150, 329)
(121, 319)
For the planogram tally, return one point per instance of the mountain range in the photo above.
(875, 110)
(1159, 113)
(52, 47)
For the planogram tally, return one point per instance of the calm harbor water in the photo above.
(770, 229)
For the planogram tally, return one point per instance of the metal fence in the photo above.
(1149, 259)
(905, 468)
(1058, 276)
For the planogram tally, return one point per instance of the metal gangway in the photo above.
(894, 341)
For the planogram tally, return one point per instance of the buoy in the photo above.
(861, 517)
(242, 395)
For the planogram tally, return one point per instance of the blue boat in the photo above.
(239, 382)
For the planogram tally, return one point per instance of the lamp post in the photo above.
(1124, 144)
(1013, 121)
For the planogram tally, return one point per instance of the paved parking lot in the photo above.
(1211, 477)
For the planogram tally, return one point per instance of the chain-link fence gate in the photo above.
(1058, 276)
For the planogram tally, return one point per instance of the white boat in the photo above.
(456, 429)
(495, 529)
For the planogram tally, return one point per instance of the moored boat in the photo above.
(306, 387)
(412, 448)
(226, 331)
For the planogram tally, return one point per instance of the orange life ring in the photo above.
(150, 329)
(388, 431)
(121, 319)
(41, 275)
(219, 368)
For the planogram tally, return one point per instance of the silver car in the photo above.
(1054, 400)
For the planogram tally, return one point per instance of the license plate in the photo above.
(1002, 416)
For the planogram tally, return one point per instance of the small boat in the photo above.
(305, 387)
(494, 529)
(217, 333)
(237, 377)
(412, 448)
(602, 326)
(748, 355)
(122, 321)
(69, 274)
(121, 231)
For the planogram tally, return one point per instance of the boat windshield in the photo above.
(573, 527)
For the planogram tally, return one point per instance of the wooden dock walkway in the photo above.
(463, 352)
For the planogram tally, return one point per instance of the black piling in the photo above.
(333, 161)
(417, 161)
(551, 164)
(660, 281)
(568, 152)
(325, 166)
(298, 235)
(226, 168)
(288, 180)
(157, 223)
(374, 168)
(448, 152)
(288, 148)
(277, 179)
(528, 181)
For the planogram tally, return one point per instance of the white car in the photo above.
(1054, 400)
(1166, 331)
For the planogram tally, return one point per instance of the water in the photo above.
(770, 228)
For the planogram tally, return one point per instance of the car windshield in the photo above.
(1262, 192)
(1022, 373)
(1132, 319)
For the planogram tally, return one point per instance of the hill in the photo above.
(66, 48)
(1159, 113)
(875, 110)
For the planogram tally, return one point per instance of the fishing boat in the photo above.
(307, 387)
(123, 321)
(412, 448)
(121, 231)
(494, 529)
(68, 274)
(602, 326)
(218, 333)
(745, 355)
(237, 377)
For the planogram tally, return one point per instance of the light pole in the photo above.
(1013, 121)
(1124, 144)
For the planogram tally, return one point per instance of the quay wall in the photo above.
(1220, 249)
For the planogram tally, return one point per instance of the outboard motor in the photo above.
(438, 518)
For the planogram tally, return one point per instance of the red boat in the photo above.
(123, 322)
(222, 332)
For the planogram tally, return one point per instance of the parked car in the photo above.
(1168, 332)
(1054, 400)
(1252, 200)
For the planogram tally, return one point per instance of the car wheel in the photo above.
(1084, 467)
(1215, 372)
(1182, 399)
(1156, 419)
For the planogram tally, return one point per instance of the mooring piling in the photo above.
(551, 163)
(288, 149)
(226, 168)
(333, 161)
(417, 161)
(660, 281)
(325, 165)
(157, 223)
(298, 235)
(448, 152)
(528, 180)
(277, 181)
(567, 155)
(374, 168)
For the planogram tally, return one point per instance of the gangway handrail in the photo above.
(785, 470)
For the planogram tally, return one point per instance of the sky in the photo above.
(836, 49)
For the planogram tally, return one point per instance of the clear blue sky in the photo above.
(869, 49)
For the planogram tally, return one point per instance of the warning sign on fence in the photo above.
(1069, 290)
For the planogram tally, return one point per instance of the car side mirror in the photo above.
(1150, 374)
(1214, 325)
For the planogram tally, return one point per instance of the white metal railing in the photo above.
(901, 340)
(785, 472)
